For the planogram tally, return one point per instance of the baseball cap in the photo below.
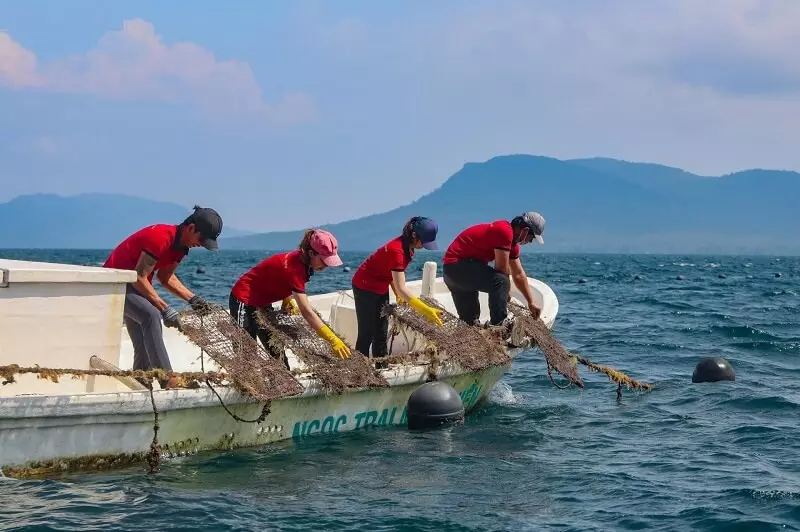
(325, 244)
(535, 223)
(208, 223)
(426, 230)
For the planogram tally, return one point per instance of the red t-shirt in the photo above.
(160, 241)
(375, 273)
(479, 242)
(272, 280)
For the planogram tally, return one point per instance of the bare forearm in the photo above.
(176, 287)
(521, 282)
(143, 286)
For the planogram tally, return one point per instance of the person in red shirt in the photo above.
(467, 270)
(158, 250)
(384, 268)
(283, 277)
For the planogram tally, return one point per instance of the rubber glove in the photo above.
(170, 316)
(429, 313)
(338, 347)
(199, 304)
(289, 306)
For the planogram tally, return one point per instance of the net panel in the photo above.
(251, 369)
(336, 375)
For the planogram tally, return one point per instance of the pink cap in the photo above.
(325, 244)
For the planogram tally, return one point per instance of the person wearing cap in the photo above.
(283, 277)
(467, 271)
(384, 268)
(158, 250)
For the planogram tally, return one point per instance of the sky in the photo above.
(286, 114)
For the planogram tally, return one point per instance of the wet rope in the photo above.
(264, 411)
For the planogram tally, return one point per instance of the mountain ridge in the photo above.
(592, 205)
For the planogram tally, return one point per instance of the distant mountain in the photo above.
(594, 205)
(85, 221)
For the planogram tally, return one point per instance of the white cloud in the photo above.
(135, 64)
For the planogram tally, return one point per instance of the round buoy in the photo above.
(777, 275)
(637, 277)
(679, 278)
(433, 404)
(713, 369)
(582, 281)
(200, 269)
(722, 276)
(346, 268)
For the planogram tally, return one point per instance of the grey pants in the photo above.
(143, 322)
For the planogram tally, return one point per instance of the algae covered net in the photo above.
(251, 369)
(473, 348)
(535, 333)
(292, 331)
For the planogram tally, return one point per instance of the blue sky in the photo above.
(288, 114)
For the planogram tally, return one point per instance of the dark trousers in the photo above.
(244, 316)
(372, 328)
(466, 278)
(143, 322)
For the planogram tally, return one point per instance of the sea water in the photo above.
(715, 456)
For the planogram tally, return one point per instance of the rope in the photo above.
(264, 411)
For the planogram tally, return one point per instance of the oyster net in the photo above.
(336, 375)
(532, 332)
(473, 348)
(250, 368)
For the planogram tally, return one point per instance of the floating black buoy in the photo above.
(346, 268)
(713, 369)
(637, 277)
(200, 269)
(680, 278)
(777, 275)
(722, 276)
(433, 404)
(582, 281)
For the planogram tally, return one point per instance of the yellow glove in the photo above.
(338, 347)
(429, 313)
(289, 306)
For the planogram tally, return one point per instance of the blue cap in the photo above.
(426, 230)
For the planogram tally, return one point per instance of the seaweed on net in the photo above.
(251, 369)
(472, 348)
(292, 331)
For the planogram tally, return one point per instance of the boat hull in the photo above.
(42, 436)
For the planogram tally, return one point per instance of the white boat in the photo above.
(67, 316)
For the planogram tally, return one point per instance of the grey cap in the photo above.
(535, 223)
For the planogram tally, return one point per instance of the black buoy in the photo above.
(346, 268)
(679, 278)
(777, 275)
(637, 277)
(713, 369)
(722, 276)
(433, 404)
(582, 281)
(200, 269)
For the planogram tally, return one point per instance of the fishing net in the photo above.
(472, 348)
(250, 368)
(336, 375)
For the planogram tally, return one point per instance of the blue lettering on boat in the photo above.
(470, 395)
(332, 424)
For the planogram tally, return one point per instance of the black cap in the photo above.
(209, 223)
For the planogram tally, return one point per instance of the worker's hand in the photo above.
(170, 317)
(289, 306)
(535, 311)
(337, 345)
(399, 299)
(429, 313)
(199, 304)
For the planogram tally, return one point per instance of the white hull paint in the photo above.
(56, 431)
